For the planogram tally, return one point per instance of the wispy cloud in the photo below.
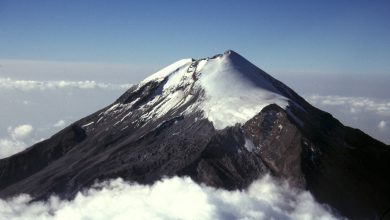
(174, 198)
(59, 124)
(9, 83)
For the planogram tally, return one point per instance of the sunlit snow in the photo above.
(234, 89)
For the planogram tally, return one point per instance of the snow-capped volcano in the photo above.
(221, 121)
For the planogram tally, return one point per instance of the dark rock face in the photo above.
(278, 143)
(341, 166)
(349, 169)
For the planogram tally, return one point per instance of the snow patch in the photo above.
(113, 107)
(249, 145)
(88, 124)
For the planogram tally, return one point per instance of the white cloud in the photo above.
(16, 140)
(382, 125)
(353, 104)
(174, 198)
(10, 146)
(60, 124)
(21, 131)
(26, 85)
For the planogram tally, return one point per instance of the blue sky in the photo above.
(340, 37)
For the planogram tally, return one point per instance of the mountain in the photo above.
(220, 120)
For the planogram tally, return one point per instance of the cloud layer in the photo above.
(174, 198)
(354, 104)
(26, 85)
(75, 71)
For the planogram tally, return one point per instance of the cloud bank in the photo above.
(174, 198)
(26, 85)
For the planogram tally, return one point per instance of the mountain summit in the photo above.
(226, 88)
(220, 120)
